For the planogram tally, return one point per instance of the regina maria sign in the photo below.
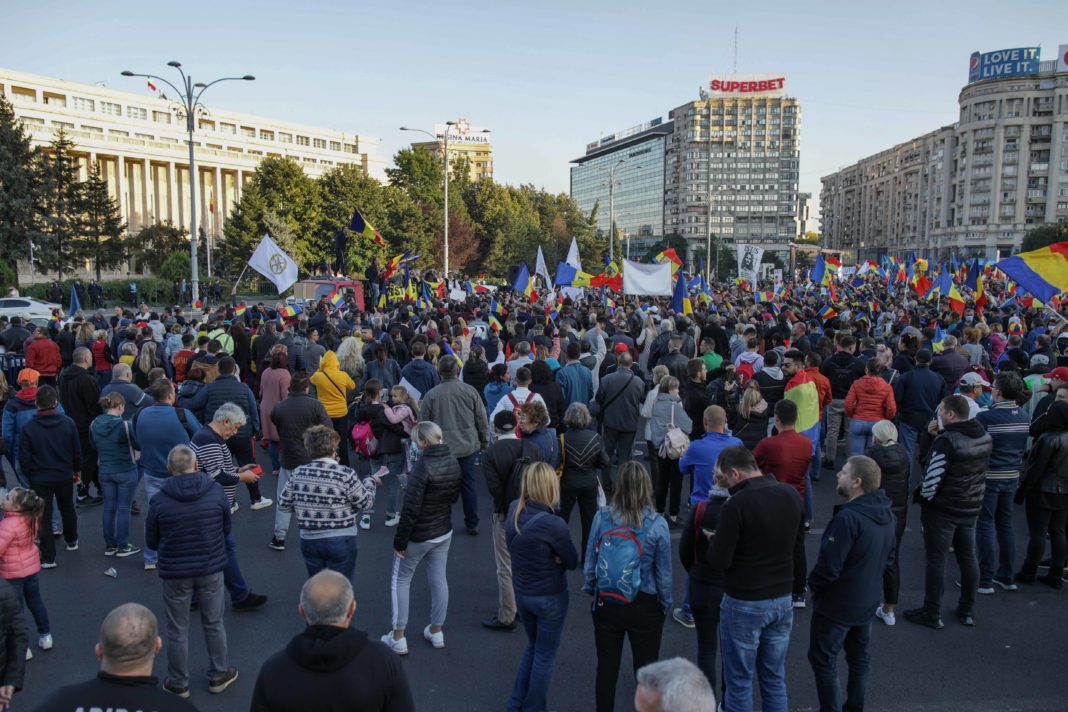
(1003, 63)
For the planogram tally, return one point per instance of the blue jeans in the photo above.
(153, 481)
(994, 537)
(826, 640)
(393, 481)
(543, 620)
(908, 437)
(754, 636)
(272, 450)
(28, 591)
(232, 578)
(860, 436)
(812, 434)
(467, 491)
(337, 553)
(118, 489)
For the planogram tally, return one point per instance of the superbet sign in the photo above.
(748, 84)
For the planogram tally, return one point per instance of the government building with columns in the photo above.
(140, 144)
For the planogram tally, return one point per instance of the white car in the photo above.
(21, 306)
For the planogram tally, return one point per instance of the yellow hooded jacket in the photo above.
(332, 385)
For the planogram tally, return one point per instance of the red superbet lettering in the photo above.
(746, 87)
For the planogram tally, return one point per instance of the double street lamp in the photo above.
(189, 100)
(462, 129)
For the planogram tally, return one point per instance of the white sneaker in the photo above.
(234, 507)
(392, 520)
(29, 654)
(435, 639)
(45, 642)
(888, 618)
(400, 647)
(261, 503)
(365, 522)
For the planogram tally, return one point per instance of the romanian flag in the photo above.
(392, 265)
(448, 350)
(494, 322)
(765, 296)
(497, 308)
(873, 307)
(980, 294)
(382, 300)
(827, 312)
(335, 299)
(669, 255)
(937, 339)
(680, 302)
(524, 284)
(825, 269)
(1042, 272)
(956, 301)
(801, 389)
(359, 226)
(290, 310)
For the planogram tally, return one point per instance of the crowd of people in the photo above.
(715, 422)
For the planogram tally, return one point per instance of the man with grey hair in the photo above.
(215, 459)
(674, 685)
(331, 661)
(129, 643)
(122, 382)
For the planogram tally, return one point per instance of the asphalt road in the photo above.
(1012, 660)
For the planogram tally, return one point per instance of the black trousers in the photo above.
(1040, 522)
(642, 622)
(668, 486)
(63, 492)
(892, 576)
(704, 605)
(243, 450)
(89, 462)
(586, 499)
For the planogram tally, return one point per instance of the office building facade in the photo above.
(466, 142)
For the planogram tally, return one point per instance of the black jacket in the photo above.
(584, 459)
(693, 544)
(771, 389)
(114, 692)
(389, 434)
(13, 639)
(433, 486)
(331, 669)
(553, 396)
(291, 417)
(955, 479)
(619, 401)
(261, 346)
(49, 448)
(1046, 467)
(695, 398)
(676, 364)
(79, 393)
(475, 374)
(841, 369)
(893, 461)
(498, 461)
(753, 430)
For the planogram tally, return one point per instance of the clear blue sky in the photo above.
(547, 77)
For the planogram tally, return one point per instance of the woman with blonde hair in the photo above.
(753, 416)
(541, 549)
(630, 515)
(645, 342)
(350, 358)
(147, 361)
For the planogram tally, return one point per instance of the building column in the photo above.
(147, 183)
(120, 174)
(217, 198)
(172, 192)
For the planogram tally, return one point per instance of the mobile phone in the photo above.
(381, 472)
(257, 470)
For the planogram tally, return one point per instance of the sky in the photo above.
(547, 77)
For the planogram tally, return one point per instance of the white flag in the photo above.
(749, 257)
(653, 279)
(540, 268)
(573, 260)
(273, 263)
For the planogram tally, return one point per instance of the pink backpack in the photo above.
(364, 440)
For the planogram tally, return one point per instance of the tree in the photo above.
(419, 173)
(810, 238)
(1044, 235)
(158, 241)
(176, 267)
(343, 190)
(101, 227)
(58, 220)
(18, 188)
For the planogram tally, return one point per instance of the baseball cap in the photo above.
(621, 348)
(504, 422)
(1060, 373)
(973, 379)
(28, 377)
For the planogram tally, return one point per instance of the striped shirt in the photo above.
(214, 458)
(1008, 425)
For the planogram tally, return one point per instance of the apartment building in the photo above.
(465, 142)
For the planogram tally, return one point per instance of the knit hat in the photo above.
(28, 377)
(884, 431)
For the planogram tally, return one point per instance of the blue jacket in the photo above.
(421, 374)
(576, 381)
(188, 521)
(533, 546)
(158, 430)
(493, 392)
(700, 459)
(856, 549)
(917, 394)
(17, 412)
(227, 389)
(49, 448)
(1008, 425)
(656, 556)
(113, 437)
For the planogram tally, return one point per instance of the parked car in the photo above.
(22, 306)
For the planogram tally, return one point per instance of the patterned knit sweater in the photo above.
(325, 495)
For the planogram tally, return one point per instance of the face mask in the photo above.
(969, 319)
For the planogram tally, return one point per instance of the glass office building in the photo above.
(631, 162)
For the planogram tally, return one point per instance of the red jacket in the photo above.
(101, 355)
(823, 385)
(42, 355)
(785, 457)
(870, 398)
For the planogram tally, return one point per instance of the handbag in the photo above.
(675, 441)
(602, 500)
(135, 455)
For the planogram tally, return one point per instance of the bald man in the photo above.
(700, 458)
(330, 665)
(129, 642)
(122, 381)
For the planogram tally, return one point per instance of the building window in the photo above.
(83, 104)
(115, 132)
(55, 100)
(207, 125)
(24, 94)
(350, 148)
(319, 143)
(136, 112)
(285, 138)
(92, 129)
(228, 129)
(335, 145)
(161, 117)
(266, 135)
(248, 132)
(110, 108)
(147, 137)
(63, 125)
(302, 140)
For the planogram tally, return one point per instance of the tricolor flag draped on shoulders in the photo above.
(1042, 272)
(801, 389)
(273, 263)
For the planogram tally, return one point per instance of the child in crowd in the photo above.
(405, 411)
(20, 560)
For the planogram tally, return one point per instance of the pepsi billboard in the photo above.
(1018, 62)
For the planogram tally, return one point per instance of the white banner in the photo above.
(540, 268)
(652, 279)
(273, 263)
(749, 257)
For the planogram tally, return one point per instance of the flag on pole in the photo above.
(541, 269)
(273, 263)
(75, 303)
(359, 226)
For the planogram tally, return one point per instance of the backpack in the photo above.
(698, 517)
(675, 441)
(527, 455)
(515, 410)
(745, 372)
(617, 568)
(842, 379)
(364, 440)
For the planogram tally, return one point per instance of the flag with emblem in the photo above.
(272, 262)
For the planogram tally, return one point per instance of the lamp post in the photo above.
(462, 128)
(189, 100)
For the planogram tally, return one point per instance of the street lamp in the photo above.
(612, 205)
(189, 99)
(462, 128)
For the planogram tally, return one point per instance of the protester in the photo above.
(893, 463)
(1044, 492)
(274, 387)
(79, 393)
(117, 447)
(668, 412)
(584, 461)
(20, 566)
(673, 685)
(332, 388)
(870, 399)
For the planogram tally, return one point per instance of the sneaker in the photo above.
(72, 545)
(400, 647)
(110, 551)
(277, 544)
(250, 602)
(128, 550)
(29, 654)
(435, 639)
(234, 507)
(985, 590)
(56, 533)
(965, 618)
(496, 624)
(921, 617)
(888, 618)
(1006, 583)
(182, 692)
(220, 683)
(472, 531)
(150, 566)
(799, 600)
(392, 520)
(682, 619)
(48, 564)
(365, 522)
(261, 503)
(45, 642)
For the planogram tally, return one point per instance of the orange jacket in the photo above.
(870, 398)
(823, 385)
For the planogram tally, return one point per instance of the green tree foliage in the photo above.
(1044, 235)
(175, 267)
(811, 238)
(343, 190)
(100, 225)
(159, 241)
(58, 219)
(18, 188)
